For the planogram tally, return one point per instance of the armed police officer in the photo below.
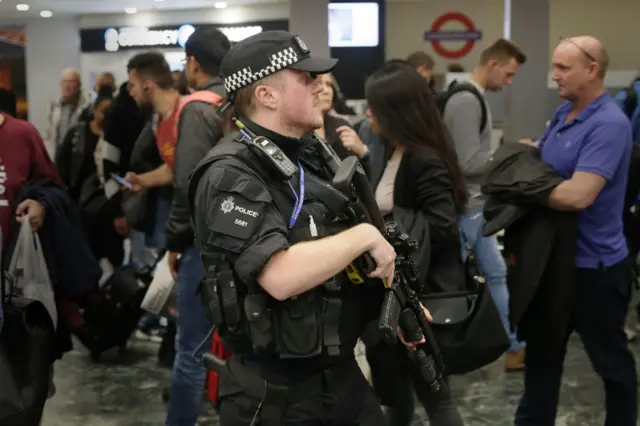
(276, 254)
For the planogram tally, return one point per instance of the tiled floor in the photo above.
(128, 393)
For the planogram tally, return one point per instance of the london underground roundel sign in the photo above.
(438, 37)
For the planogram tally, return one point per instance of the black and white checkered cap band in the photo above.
(246, 76)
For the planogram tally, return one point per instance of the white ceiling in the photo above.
(82, 7)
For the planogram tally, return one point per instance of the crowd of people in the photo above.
(219, 172)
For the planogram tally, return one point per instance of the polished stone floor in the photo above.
(126, 391)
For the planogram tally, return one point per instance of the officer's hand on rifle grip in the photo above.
(368, 264)
(412, 345)
(384, 256)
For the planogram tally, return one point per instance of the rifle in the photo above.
(401, 306)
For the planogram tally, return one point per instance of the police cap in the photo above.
(266, 53)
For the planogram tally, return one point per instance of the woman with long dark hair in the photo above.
(415, 170)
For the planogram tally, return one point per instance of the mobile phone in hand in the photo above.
(121, 181)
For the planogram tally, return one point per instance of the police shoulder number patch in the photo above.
(236, 216)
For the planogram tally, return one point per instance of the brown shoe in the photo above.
(514, 361)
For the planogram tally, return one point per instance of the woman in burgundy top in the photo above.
(23, 158)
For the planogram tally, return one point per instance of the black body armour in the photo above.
(323, 323)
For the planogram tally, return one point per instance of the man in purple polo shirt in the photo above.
(589, 142)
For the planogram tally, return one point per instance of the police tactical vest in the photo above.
(300, 327)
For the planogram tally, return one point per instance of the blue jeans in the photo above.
(189, 375)
(599, 312)
(145, 246)
(144, 252)
(141, 255)
(491, 264)
(155, 238)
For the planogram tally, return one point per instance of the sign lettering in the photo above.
(116, 39)
(129, 37)
(469, 34)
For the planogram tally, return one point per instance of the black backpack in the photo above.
(630, 217)
(455, 87)
(631, 100)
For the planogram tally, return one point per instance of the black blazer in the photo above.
(331, 124)
(423, 184)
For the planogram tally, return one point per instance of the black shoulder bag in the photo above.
(467, 323)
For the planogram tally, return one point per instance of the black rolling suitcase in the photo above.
(110, 323)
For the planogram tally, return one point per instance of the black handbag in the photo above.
(138, 208)
(92, 200)
(26, 343)
(467, 324)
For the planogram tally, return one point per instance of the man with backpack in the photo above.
(468, 117)
(198, 129)
(186, 129)
(424, 64)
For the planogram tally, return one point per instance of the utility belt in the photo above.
(300, 327)
(274, 399)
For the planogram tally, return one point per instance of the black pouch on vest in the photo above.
(299, 326)
(256, 307)
(230, 304)
(210, 297)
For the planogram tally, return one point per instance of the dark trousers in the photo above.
(599, 312)
(349, 403)
(395, 377)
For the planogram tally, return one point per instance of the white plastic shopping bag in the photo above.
(28, 269)
(157, 296)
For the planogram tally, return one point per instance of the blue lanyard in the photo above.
(299, 198)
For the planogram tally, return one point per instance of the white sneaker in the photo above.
(52, 386)
(141, 335)
(631, 334)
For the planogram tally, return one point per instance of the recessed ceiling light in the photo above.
(219, 5)
(46, 14)
(22, 7)
(158, 1)
(131, 10)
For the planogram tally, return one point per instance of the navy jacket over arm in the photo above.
(71, 264)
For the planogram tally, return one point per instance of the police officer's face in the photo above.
(299, 100)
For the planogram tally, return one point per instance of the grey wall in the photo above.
(52, 45)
